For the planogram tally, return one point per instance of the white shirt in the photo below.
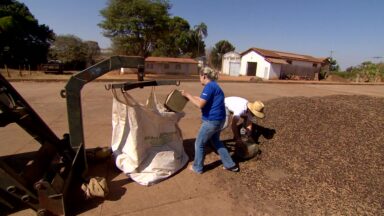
(237, 105)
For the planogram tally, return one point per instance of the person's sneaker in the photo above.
(233, 169)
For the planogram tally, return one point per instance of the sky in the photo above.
(350, 31)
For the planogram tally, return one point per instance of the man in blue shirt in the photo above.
(211, 103)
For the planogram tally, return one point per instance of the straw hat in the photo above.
(256, 108)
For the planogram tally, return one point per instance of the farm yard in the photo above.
(320, 148)
(324, 158)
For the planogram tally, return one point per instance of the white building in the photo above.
(269, 64)
(231, 63)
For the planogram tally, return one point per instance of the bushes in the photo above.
(367, 72)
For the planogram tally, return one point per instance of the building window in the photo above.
(314, 65)
(150, 66)
(166, 66)
(177, 66)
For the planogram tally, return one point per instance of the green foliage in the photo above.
(200, 31)
(22, 39)
(323, 74)
(333, 65)
(135, 26)
(196, 45)
(348, 76)
(218, 51)
(93, 52)
(144, 28)
(366, 72)
(177, 40)
(180, 40)
(73, 52)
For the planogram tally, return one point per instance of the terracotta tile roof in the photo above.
(276, 61)
(283, 55)
(170, 60)
(265, 53)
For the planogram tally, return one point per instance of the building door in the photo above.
(234, 68)
(251, 68)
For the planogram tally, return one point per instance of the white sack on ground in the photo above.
(146, 140)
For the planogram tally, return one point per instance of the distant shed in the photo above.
(231, 63)
(168, 65)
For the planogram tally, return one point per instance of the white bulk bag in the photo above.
(146, 141)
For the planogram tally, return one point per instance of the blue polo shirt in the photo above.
(214, 109)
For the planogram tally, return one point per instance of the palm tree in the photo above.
(202, 32)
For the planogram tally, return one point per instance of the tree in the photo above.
(93, 52)
(201, 31)
(73, 52)
(135, 26)
(333, 66)
(218, 51)
(22, 39)
(196, 45)
(176, 40)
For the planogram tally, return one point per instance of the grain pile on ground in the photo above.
(326, 158)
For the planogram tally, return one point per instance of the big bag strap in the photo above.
(152, 100)
(127, 98)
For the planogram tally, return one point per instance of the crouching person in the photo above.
(245, 112)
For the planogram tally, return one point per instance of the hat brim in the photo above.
(256, 113)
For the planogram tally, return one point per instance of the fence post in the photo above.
(6, 69)
(20, 74)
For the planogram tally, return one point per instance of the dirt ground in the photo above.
(324, 158)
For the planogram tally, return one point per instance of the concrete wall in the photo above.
(300, 70)
(302, 64)
(290, 71)
(274, 73)
(171, 68)
(230, 58)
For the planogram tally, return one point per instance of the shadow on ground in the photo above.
(102, 168)
(77, 202)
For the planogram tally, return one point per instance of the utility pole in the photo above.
(378, 57)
